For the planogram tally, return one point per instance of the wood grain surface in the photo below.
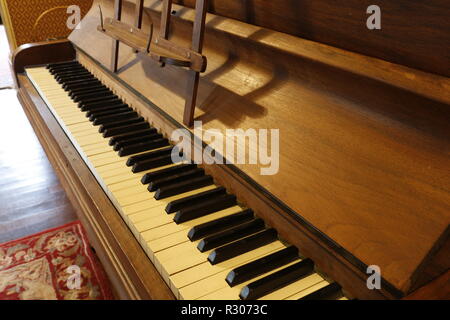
(364, 151)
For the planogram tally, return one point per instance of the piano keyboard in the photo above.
(202, 241)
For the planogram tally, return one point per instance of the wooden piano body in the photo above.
(364, 173)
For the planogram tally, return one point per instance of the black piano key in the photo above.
(114, 117)
(212, 227)
(100, 110)
(107, 111)
(82, 90)
(230, 235)
(152, 164)
(74, 77)
(80, 96)
(71, 76)
(74, 68)
(93, 98)
(119, 130)
(260, 266)
(65, 72)
(65, 65)
(189, 201)
(175, 178)
(160, 174)
(119, 124)
(79, 85)
(85, 84)
(242, 246)
(66, 77)
(207, 207)
(143, 146)
(91, 88)
(330, 292)
(60, 64)
(131, 135)
(61, 78)
(66, 69)
(277, 280)
(148, 156)
(141, 139)
(182, 187)
(71, 83)
(98, 105)
(74, 80)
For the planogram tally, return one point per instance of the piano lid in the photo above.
(364, 149)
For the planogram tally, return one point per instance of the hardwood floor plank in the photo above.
(31, 197)
(34, 223)
(24, 182)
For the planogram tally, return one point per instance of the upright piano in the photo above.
(360, 205)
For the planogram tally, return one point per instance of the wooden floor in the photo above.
(31, 198)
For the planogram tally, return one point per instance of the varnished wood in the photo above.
(164, 51)
(116, 43)
(359, 160)
(325, 257)
(198, 35)
(436, 290)
(436, 261)
(161, 51)
(40, 53)
(138, 13)
(412, 33)
(349, 124)
(165, 19)
(131, 273)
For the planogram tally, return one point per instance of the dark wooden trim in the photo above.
(435, 263)
(116, 43)
(139, 13)
(131, 272)
(413, 33)
(165, 19)
(41, 53)
(435, 290)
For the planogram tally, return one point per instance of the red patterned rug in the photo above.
(56, 264)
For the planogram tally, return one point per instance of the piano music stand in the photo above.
(162, 50)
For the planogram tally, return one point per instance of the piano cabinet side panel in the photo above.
(130, 271)
(41, 53)
(435, 290)
(435, 264)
